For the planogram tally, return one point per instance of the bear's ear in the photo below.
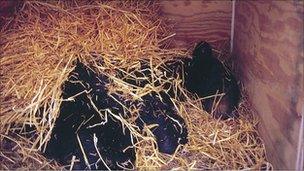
(202, 50)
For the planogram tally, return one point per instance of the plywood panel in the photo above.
(199, 20)
(269, 46)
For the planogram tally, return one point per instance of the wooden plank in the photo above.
(269, 48)
(199, 20)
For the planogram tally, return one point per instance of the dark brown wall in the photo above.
(268, 44)
(199, 20)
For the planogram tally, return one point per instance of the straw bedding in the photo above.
(38, 47)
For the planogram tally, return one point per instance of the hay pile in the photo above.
(37, 50)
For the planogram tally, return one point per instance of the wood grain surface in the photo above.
(269, 48)
(199, 20)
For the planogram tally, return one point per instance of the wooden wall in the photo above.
(199, 20)
(268, 44)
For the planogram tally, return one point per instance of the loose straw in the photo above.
(37, 52)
